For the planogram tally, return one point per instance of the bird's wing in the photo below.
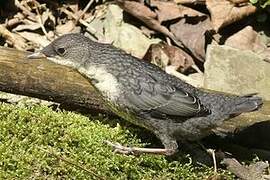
(148, 94)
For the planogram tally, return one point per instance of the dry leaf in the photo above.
(73, 5)
(15, 40)
(35, 38)
(17, 18)
(224, 12)
(169, 10)
(31, 27)
(47, 16)
(178, 58)
(190, 30)
(163, 55)
(143, 13)
(138, 10)
(166, 10)
(193, 32)
(65, 28)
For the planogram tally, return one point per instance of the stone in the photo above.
(121, 34)
(236, 71)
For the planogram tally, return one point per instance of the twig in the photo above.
(239, 1)
(212, 152)
(13, 39)
(168, 41)
(194, 66)
(90, 29)
(72, 163)
(15, 20)
(267, 60)
(40, 21)
(84, 11)
(25, 10)
(189, 1)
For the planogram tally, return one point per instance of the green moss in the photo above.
(34, 140)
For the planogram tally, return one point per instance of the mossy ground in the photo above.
(36, 142)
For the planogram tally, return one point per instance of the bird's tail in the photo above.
(247, 103)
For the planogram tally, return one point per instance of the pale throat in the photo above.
(105, 82)
(62, 61)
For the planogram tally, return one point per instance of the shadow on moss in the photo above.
(34, 139)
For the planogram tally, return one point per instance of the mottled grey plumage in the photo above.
(144, 94)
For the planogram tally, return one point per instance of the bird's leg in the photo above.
(170, 148)
(170, 144)
(212, 152)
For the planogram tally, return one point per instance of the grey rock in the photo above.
(120, 34)
(236, 71)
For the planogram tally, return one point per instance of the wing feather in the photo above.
(162, 98)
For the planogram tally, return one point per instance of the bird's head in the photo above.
(70, 50)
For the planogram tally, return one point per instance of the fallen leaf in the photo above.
(162, 55)
(169, 10)
(35, 38)
(15, 40)
(65, 28)
(190, 30)
(48, 19)
(178, 58)
(17, 18)
(145, 14)
(193, 32)
(32, 27)
(224, 12)
(73, 5)
(166, 10)
(47, 15)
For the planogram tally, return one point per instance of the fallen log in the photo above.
(45, 80)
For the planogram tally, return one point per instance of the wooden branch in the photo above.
(45, 80)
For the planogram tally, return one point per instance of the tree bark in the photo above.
(45, 80)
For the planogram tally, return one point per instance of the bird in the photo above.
(145, 95)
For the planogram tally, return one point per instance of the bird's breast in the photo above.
(105, 82)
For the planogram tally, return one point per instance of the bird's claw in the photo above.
(118, 148)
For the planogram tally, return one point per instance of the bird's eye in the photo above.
(61, 51)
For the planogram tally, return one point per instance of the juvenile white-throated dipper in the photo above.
(145, 95)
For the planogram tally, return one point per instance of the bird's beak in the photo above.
(37, 55)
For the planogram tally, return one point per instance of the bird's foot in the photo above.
(118, 148)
